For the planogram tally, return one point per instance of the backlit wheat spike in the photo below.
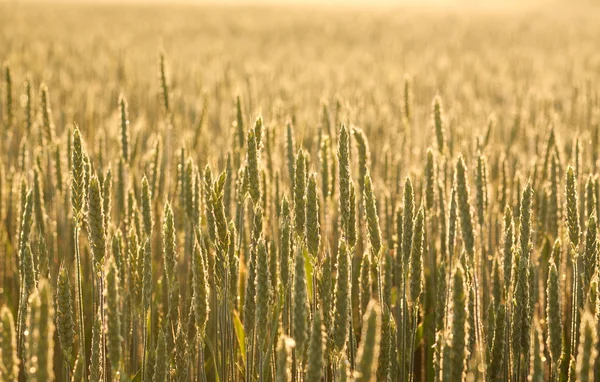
(164, 83)
(9, 362)
(27, 107)
(344, 176)
(316, 350)
(239, 121)
(38, 201)
(536, 370)
(40, 325)
(313, 235)
(253, 166)
(169, 243)
(147, 207)
(250, 292)
(146, 275)
(325, 292)
(46, 111)
(525, 220)
(452, 223)
(429, 172)
(482, 191)
(590, 196)
(290, 150)
(372, 219)
(112, 295)
(363, 156)
(464, 208)
(208, 203)
(459, 326)
(342, 298)
(161, 368)
(508, 249)
(407, 226)
(284, 359)
(286, 245)
(300, 195)
(58, 175)
(95, 221)
(301, 308)
(65, 322)
(365, 282)
(440, 303)
(438, 122)
(589, 258)
(497, 284)
(587, 352)
(553, 203)
(498, 356)
(352, 218)
(179, 371)
(416, 258)
(124, 127)
(263, 293)
(520, 311)
(408, 98)
(368, 352)
(324, 151)
(107, 199)
(385, 347)
(554, 320)
(503, 188)
(8, 97)
(571, 205)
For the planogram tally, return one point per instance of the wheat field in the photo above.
(295, 193)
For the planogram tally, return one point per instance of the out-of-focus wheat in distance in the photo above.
(252, 193)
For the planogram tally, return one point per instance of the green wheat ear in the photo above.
(438, 122)
(554, 339)
(571, 206)
(313, 235)
(124, 127)
(40, 342)
(161, 366)
(372, 219)
(385, 352)
(342, 298)
(253, 165)
(368, 352)
(496, 367)
(9, 361)
(300, 195)
(429, 172)
(95, 218)
(263, 293)
(407, 225)
(416, 259)
(284, 359)
(343, 153)
(363, 156)
(466, 219)
(112, 296)
(301, 308)
(65, 320)
(316, 350)
(8, 97)
(587, 352)
(164, 83)
(459, 326)
(365, 281)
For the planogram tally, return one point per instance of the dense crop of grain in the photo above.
(281, 194)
